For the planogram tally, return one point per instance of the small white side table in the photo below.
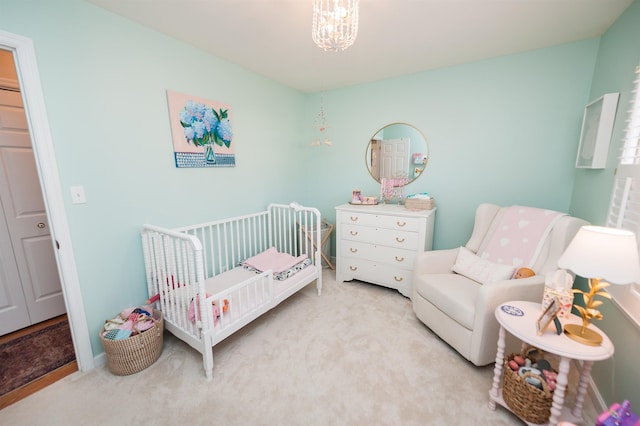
(519, 319)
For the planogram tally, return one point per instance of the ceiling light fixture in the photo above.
(335, 23)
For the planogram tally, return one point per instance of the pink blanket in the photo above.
(274, 260)
(520, 235)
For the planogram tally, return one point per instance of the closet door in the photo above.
(29, 280)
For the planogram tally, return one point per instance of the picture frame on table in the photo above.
(548, 315)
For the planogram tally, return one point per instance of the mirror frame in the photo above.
(367, 153)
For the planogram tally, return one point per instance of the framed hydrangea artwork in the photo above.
(201, 130)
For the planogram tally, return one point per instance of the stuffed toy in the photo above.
(524, 273)
(214, 307)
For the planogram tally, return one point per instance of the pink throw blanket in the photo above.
(520, 235)
(274, 260)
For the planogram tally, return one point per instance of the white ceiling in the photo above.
(395, 37)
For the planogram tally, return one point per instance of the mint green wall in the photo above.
(104, 81)
(503, 130)
(617, 379)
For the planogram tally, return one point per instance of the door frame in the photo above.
(29, 82)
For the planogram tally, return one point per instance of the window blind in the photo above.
(631, 145)
(624, 208)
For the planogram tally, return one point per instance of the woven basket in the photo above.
(135, 353)
(418, 203)
(526, 401)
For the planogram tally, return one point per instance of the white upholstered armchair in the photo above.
(461, 310)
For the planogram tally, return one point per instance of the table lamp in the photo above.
(599, 253)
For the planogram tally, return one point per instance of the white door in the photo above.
(30, 289)
(394, 158)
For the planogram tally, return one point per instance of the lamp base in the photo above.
(583, 335)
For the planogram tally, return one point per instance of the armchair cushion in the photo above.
(480, 270)
(454, 295)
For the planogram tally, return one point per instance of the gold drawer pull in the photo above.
(353, 268)
(401, 224)
(398, 279)
(353, 250)
(399, 259)
(353, 233)
(354, 218)
(400, 240)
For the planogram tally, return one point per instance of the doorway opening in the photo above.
(23, 53)
(34, 328)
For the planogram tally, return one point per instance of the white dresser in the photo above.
(378, 244)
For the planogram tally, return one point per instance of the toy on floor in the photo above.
(524, 273)
(618, 415)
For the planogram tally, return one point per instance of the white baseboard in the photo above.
(100, 360)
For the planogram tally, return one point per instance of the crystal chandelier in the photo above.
(335, 23)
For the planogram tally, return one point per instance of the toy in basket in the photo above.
(528, 385)
(133, 340)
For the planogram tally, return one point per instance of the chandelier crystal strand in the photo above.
(335, 23)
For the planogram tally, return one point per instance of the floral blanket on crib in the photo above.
(283, 265)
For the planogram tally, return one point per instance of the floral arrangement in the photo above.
(203, 125)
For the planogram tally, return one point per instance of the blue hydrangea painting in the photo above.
(202, 132)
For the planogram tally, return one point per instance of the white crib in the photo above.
(201, 263)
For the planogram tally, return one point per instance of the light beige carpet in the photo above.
(354, 356)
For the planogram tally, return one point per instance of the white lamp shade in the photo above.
(607, 253)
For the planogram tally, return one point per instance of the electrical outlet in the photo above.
(77, 195)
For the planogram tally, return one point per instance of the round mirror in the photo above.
(398, 150)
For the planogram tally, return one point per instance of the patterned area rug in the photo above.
(26, 358)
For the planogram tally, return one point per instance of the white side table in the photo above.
(519, 319)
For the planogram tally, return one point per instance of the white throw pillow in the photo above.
(480, 270)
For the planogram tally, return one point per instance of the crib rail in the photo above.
(173, 265)
(291, 228)
(296, 229)
(240, 304)
(227, 242)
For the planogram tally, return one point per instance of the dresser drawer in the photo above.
(397, 258)
(383, 236)
(377, 273)
(381, 221)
